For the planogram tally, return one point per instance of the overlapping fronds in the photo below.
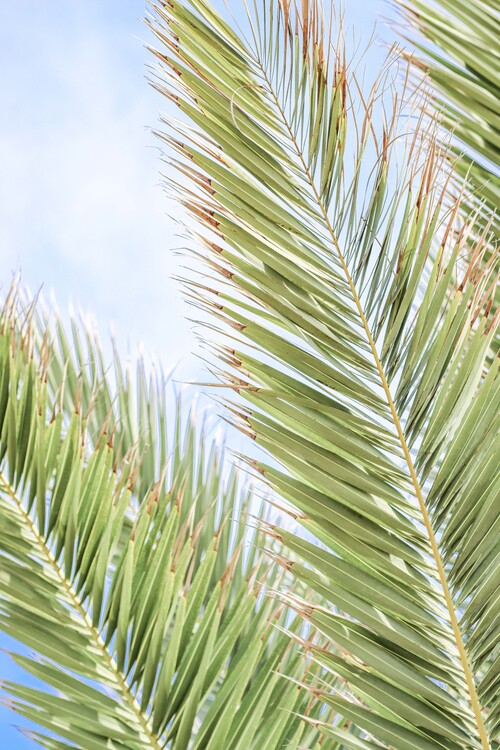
(358, 311)
(459, 52)
(121, 563)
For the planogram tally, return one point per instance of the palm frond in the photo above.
(121, 564)
(361, 314)
(457, 42)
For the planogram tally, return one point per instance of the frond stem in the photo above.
(77, 604)
(469, 678)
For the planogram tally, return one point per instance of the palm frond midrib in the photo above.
(79, 608)
(397, 422)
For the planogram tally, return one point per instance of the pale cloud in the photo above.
(81, 210)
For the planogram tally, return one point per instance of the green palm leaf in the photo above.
(361, 322)
(458, 44)
(142, 617)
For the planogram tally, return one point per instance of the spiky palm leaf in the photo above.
(458, 42)
(361, 317)
(120, 568)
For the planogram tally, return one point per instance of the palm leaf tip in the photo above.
(361, 327)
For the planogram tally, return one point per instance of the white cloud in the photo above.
(80, 206)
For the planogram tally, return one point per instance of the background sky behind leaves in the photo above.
(82, 213)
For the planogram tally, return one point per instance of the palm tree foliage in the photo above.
(458, 42)
(358, 314)
(121, 564)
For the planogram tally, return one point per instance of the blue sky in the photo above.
(82, 213)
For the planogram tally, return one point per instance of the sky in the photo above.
(83, 215)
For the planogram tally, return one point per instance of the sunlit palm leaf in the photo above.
(367, 376)
(121, 570)
(459, 45)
